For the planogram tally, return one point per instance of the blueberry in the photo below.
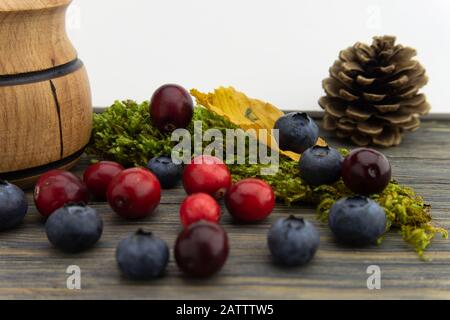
(74, 228)
(357, 220)
(167, 172)
(293, 242)
(13, 206)
(298, 132)
(142, 256)
(321, 165)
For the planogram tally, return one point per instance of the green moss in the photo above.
(124, 133)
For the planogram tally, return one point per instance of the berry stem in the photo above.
(142, 232)
(292, 217)
(170, 127)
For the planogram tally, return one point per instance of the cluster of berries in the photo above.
(201, 249)
(356, 220)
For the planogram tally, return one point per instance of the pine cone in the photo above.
(373, 93)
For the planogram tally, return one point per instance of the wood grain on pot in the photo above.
(33, 36)
(45, 98)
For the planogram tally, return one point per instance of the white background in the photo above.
(275, 50)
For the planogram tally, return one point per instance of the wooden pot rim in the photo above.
(31, 5)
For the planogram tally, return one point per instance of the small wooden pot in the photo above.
(45, 98)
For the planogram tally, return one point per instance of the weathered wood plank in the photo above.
(31, 268)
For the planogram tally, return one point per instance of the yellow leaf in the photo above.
(245, 112)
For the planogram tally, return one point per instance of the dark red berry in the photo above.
(56, 188)
(202, 249)
(199, 206)
(171, 108)
(98, 176)
(366, 171)
(134, 193)
(207, 174)
(250, 200)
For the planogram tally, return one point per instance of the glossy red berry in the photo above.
(199, 206)
(56, 188)
(98, 176)
(250, 200)
(171, 108)
(202, 249)
(366, 171)
(207, 174)
(134, 193)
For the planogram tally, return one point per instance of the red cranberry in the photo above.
(56, 188)
(134, 193)
(200, 206)
(366, 171)
(207, 174)
(171, 108)
(250, 200)
(98, 176)
(202, 249)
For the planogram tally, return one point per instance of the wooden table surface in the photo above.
(30, 268)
